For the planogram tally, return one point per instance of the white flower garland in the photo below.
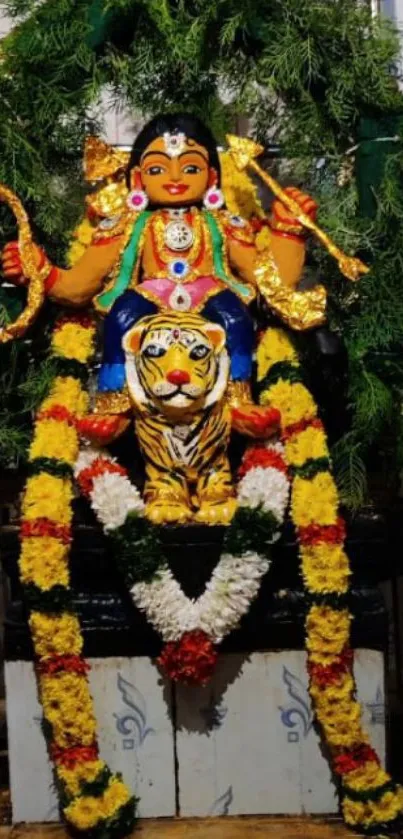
(235, 581)
(233, 586)
(113, 496)
(253, 490)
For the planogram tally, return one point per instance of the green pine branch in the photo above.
(316, 76)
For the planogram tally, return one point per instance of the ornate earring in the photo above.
(137, 199)
(213, 198)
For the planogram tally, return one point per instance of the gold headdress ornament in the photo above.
(244, 152)
(102, 160)
(35, 276)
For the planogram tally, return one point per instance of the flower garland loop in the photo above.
(92, 798)
(370, 800)
(191, 629)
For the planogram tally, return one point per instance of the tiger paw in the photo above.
(255, 420)
(216, 512)
(166, 512)
(102, 429)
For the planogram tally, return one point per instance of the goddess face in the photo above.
(174, 174)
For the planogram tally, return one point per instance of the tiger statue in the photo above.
(177, 371)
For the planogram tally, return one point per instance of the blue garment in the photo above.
(224, 308)
(125, 312)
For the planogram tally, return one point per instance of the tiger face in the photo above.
(176, 361)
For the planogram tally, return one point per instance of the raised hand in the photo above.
(11, 264)
(283, 221)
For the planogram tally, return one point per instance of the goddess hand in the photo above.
(12, 265)
(283, 220)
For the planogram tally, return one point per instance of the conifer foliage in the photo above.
(317, 77)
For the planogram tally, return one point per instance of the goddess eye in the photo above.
(199, 352)
(155, 170)
(154, 351)
(191, 169)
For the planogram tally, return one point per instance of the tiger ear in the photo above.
(132, 340)
(216, 335)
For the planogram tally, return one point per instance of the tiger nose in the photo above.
(178, 377)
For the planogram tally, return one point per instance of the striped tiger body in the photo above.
(177, 373)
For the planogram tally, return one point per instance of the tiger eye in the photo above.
(154, 351)
(199, 352)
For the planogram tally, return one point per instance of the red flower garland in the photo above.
(261, 456)
(325, 675)
(78, 318)
(348, 761)
(45, 527)
(191, 660)
(65, 663)
(302, 425)
(73, 755)
(315, 533)
(98, 467)
(57, 412)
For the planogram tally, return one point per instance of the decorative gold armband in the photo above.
(112, 402)
(295, 229)
(238, 393)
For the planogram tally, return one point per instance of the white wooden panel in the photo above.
(370, 676)
(132, 706)
(238, 757)
(246, 743)
(32, 793)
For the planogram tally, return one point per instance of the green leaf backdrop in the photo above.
(316, 77)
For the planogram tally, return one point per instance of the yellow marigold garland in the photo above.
(81, 238)
(91, 797)
(371, 801)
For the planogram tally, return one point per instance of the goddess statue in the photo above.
(175, 247)
(174, 273)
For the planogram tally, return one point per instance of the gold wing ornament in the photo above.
(105, 167)
(36, 276)
(299, 309)
(101, 160)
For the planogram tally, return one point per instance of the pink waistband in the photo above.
(162, 289)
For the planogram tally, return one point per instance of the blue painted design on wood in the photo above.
(133, 724)
(377, 708)
(221, 805)
(298, 714)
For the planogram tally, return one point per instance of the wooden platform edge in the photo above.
(230, 827)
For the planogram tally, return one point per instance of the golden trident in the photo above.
(244, 152)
